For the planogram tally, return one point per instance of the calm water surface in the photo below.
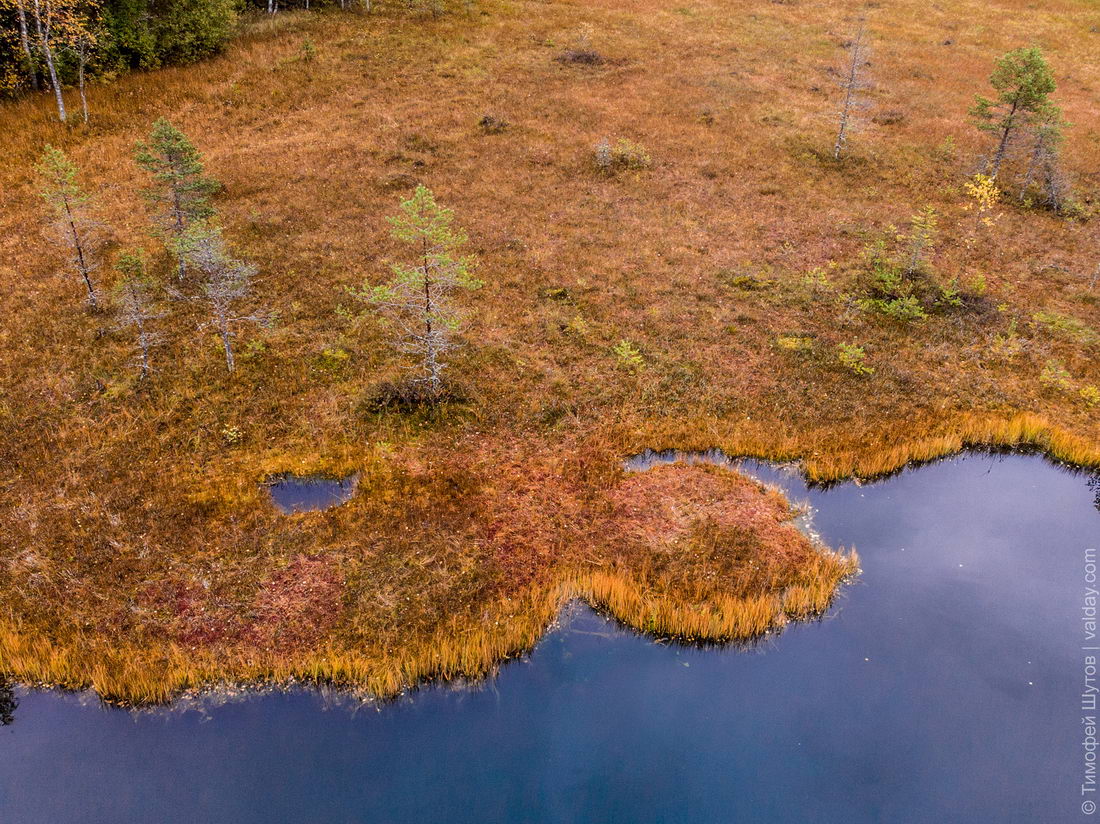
(943, 687)
(297, 493)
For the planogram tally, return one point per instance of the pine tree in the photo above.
(226, 282)
(180, 192)
(923, 227)
(1024, 82)
(134, 297)
(73, 224)
(419, 297)
(1044, 158)
(853, 85)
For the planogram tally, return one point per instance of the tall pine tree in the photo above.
(1023, 81)
(419, 297)
(181, 192)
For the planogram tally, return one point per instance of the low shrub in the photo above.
(853, 358)
(408, 395)
(622, 154)
(491, 124)
(628, 355)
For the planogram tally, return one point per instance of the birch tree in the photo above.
(25, 42)
(180, 194)
(853, 84)
(1024, 82)
(419, 298)
(74, 227)
(134, 298)
(81, 45)
(44, 21)
(227, 282)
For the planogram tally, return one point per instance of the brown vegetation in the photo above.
(139, 554)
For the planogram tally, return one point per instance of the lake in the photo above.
(944, 686)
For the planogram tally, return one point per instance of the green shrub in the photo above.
(623, 154)
(189, 30)
(795, 343)
(905, 309)
(853, 358)
(1065, 326)
(628, 355)
(1055, 376)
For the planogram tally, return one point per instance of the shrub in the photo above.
(582, 52)
(795, 343)
(853, 358)
(1065, 326)
(1055, 376)
(491, 124)
(408, 395)
(623, 154)
(817, 279)
(905, 309)
(949, 294)
(628, 355)
(333, 359)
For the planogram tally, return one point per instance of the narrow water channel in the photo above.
(943, 687)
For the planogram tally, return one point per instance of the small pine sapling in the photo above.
(419, 298)
(133, 296)
(74, 227)
(921, 240)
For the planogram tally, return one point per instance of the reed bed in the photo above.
(465, 648)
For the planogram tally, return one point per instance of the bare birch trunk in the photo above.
(47, 52)
(83, 58)
(25, 42)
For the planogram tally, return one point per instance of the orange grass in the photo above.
(139, 554)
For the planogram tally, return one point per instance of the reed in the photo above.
(463, 648)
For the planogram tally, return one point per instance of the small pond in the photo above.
(943, 687)
(303, 493)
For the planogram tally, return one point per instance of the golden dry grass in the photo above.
(139, 553)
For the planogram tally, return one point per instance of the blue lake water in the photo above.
(944, 687)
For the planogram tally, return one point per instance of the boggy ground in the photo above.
(139, 553)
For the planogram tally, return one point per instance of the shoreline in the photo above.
(509, 627)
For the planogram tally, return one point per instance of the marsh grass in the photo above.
(467, 649)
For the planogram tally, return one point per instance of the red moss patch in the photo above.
(297, 606)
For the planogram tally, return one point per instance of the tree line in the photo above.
(50, 45)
